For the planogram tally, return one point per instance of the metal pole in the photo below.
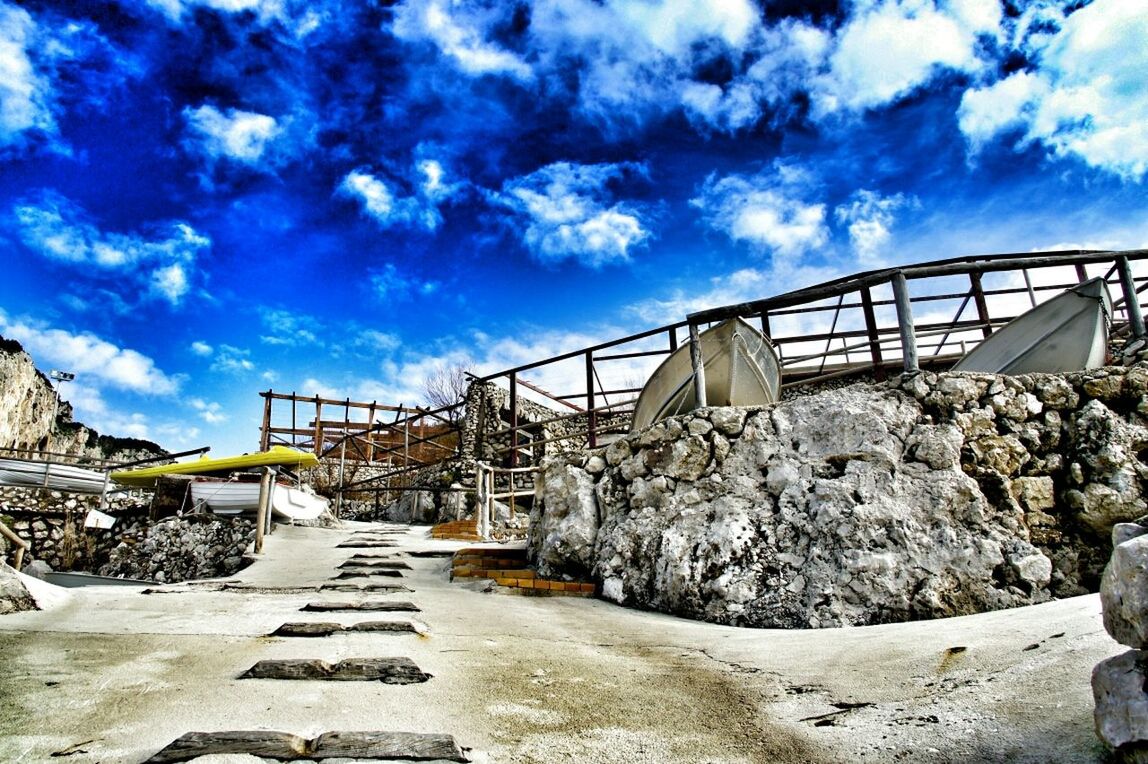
(1131, 299)
(264, 508)
(591, 415)
(872, 333)
(981, 303)
(905, 322)
(699, 367)
(513, 420)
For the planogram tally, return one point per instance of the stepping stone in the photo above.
(405, 746)
(335, 607)
(385, 670)
(361, 572)
(366, 545)
(324, 629)
(376, 588)
(431, 553)
(362, 561)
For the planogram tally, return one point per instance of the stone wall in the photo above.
(925, 497)
(182, 549)
(53, 523)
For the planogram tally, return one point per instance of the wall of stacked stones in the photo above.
(53, 523)
(929, 496)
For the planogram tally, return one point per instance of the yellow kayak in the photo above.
(276, 456)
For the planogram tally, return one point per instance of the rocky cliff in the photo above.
(933, 496)
(29, 419)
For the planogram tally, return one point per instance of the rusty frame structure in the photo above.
(849, 327)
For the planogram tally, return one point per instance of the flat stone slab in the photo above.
(430, 553)
(368, 587)
(326, 629)
(335, 607)
(366, 545)
(362, 572)
(385, 670)
(283, 746)
(363, 561)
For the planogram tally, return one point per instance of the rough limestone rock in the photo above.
(932, 496)
(182, 549)
(14, 596)
(1124, 588)
(1121, 713)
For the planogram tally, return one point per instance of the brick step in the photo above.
(507, 567)
(457, 530)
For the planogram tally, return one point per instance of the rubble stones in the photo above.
(183, 548)
(931, 496)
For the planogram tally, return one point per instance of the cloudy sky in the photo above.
(203, 199)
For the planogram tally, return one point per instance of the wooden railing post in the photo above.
(591, 415)
(264, 508)
(982, 306)
(873, 334)
(905, 323)
(699, 367)
(1131, 299)
(265, 432)
(513, 420)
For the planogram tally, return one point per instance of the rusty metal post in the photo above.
(1131, 299)
(673, 339)
(265, 432)
(699, 367)
(873, 334)
(905, 323)
(513, 420)
(982, 305)
(591, 414)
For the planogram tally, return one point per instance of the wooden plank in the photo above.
(385, 670)
(405, 746)
(374, 606)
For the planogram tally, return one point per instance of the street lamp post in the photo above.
(61, 377)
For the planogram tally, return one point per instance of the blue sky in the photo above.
(203, 199)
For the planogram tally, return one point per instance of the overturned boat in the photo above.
(52, 475)
(233, 497)
(1067, 333)
(276, 456)
(741, 369)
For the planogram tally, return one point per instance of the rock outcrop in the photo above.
(933, 496)
(1119, 683)
(32, 420)
(14, 596)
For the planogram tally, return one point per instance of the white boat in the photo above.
(233, 497)
(741, 369)
(59, 477)
(1067, 333)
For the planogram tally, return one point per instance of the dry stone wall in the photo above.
(931, 496)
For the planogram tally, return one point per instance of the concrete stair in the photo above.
(507, 566)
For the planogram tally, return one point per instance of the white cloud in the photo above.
(390, 285)
(1085, 97)
(565, 212)
(156, 265)
(241, 136)
(25, 94)
(869, 218)
(212, 412)
(232, 360)
(89, 356)
(387, 208)
(891, 47)
(459, 32)
(766, 211)
(288, 328)
(201, 348)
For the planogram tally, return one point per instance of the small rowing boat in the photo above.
(233, 497)
(58, 477)
(1067, 333)
(741, 369)
(276, 456)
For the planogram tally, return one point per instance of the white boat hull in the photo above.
(1067, 333)
(741, 369)
(226, 497)
(59, 477)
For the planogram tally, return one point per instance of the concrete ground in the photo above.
(110, 674)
